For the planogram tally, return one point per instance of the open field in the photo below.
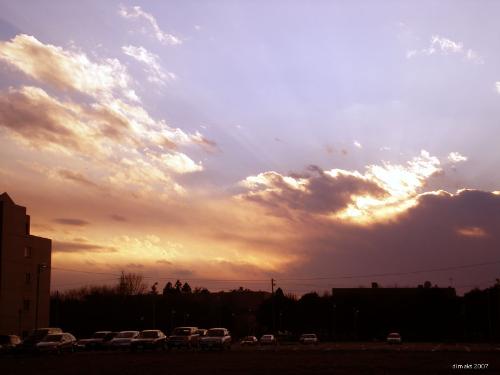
(327, 358)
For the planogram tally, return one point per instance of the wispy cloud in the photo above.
(456, 157)
(155, 72)
(71, 221)
(136, 12)
(444, 46)
(68, 70)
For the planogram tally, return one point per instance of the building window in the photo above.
(26, 305)
(28, 278)
(27, 252)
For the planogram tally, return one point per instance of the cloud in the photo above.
(136, 12)
(80, 247)
(441, 230)
(155, 72)
(497, 86)
(115, 138)
(357, 144)
(456, 157)
(71, 221)
(67, 70)
(382, 192)
(77, 178)
(472, 232)
(444, 46)
(316, 191)
(119, 218)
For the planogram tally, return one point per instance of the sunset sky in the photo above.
(228, 142)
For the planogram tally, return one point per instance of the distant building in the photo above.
(24, 267)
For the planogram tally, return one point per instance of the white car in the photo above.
(123, 340)
(216, 338)
(267, 340)
(394, 338)
(309, 338)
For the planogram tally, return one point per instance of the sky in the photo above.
(224, 143)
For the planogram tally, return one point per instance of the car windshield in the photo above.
(53, 338)
(148, 335)
(394, 335)
(182, 331)
(125, 335)
(99, 335)
(215, 333)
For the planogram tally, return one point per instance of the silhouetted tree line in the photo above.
(423, 313)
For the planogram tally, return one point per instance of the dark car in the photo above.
(186, 337)
(8, 343)
(57, 343)
(149, 339)
(219, 338)
(37, 335)
(97, 341)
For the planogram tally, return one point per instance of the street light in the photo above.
(39, 269)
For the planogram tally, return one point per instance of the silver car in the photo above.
(123, 340)
(57, 343)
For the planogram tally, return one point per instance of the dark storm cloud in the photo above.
(442, 230)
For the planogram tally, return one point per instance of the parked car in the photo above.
(394, 338)
(122, 340)
(308, 338)
(216, 338)
(186, 337)
(57, 343)
(149, 339)
(249, 341)
(37, 335)
(96, 341)
(8, 343)
(268, 340)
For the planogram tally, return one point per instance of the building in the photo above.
(422, 313)
(25, 262)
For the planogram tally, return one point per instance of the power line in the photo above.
(375, 275)
(396, 273)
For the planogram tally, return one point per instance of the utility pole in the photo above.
(39, 270)
(273, 284)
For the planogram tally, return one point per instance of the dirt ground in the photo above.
(355, 358)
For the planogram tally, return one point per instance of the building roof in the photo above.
(4, 197)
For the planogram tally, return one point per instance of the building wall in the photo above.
(20, 256)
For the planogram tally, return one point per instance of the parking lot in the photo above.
(324, 358)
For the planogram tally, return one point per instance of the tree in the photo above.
(168, 288)
(131, 284)
(178, 286)
(186, 288)
(154, 288)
